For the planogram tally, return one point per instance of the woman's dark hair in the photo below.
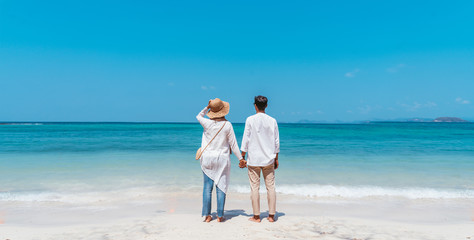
(261, 102)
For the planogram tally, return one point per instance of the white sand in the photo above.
(177, 216)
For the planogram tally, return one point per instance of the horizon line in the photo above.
(167, 122)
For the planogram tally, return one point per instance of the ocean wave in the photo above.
(330, 191)
(30, 197)
(303, 190)
(103, 197)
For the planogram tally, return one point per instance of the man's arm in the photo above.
(245, 138)
(277, 145)
(277, 139)
(245, 144)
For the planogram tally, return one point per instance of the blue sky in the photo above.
(163, 60)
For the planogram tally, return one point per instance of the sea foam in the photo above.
(30, 197)
(103, 197)
(329, 191)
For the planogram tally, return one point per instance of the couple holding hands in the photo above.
(260, 143)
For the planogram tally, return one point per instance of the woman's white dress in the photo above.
(215, 160)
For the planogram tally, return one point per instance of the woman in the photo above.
(218, 139)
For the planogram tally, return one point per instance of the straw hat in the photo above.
(218, 108)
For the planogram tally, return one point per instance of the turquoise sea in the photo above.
(44, 161)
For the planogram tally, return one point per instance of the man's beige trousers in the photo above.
(269, 176)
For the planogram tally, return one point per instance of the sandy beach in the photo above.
(177, 216)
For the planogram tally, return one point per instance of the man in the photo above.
(261, 144)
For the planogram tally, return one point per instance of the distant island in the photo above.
(409, 120)
(427, 120)
(449, 119)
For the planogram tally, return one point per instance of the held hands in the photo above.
(242, 163)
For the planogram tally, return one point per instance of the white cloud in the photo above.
(430, 104)
(462, 101)
(365, 109)
(352, 74)
(396, 68)
(205, 88)
(416, 106)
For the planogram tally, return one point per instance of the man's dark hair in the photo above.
(261, 102)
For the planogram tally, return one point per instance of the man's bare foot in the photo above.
(221, 219)
(208, 219)
(255, 218)
(271, 218)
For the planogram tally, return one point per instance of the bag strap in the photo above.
(214, 136)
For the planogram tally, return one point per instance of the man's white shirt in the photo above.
(261, 140)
